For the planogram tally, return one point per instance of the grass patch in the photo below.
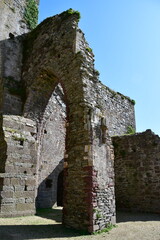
(107, 229)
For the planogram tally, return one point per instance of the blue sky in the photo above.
(125, 38)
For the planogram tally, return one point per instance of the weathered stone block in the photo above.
(24, 207)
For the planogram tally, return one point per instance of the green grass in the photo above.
(107, 229)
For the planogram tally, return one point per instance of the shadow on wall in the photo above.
(14, 93)
(50, 190)
(3, 155)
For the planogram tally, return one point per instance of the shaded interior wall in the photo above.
(137, 171)
(18, 193)
(3, 156)
(13, 26)
(52, 149)
(14, 93)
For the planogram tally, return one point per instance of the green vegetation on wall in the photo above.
(130, 130)
(31, 14)
(70, 12)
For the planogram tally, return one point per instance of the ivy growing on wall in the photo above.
(31, 13)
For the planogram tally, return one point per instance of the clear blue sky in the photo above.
(125, 38)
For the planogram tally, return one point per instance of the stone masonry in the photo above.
(57, 119)
(137, 171)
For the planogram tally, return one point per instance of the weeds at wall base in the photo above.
(107, 229)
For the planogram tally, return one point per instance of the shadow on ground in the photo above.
(35, 232)
(56, 230)
(123, 216)
(40, 231)
(50, 213)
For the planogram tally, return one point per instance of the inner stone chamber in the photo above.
(51, 151)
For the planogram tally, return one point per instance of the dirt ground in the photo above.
(47, 226)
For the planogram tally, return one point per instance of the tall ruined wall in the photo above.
(137, 171)
(62, 61)
(101, 201)
(116, 109)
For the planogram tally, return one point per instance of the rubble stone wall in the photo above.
(117, 109)
(103, 176)
(137, 171)
(19, 178)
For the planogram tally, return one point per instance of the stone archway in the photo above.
(56, 52)
(48, 62)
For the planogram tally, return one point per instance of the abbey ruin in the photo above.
(63, 134)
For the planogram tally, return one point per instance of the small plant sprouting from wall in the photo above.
(130, 130)
(31, 14)
(133, 101)
(96, 72)
(69, 12)
(98, 213)
(18, 138)
(89, 49)
(108, 228)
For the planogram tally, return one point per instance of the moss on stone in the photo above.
(10, 130)
(70, 12)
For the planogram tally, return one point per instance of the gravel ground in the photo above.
(47, 226)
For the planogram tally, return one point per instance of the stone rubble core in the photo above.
(57, 125)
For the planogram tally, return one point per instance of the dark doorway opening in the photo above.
(60, 189)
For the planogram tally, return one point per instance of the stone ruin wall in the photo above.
(82, 121)
(18, 134)
(19, 193)
(88, 171)
(137, 172)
